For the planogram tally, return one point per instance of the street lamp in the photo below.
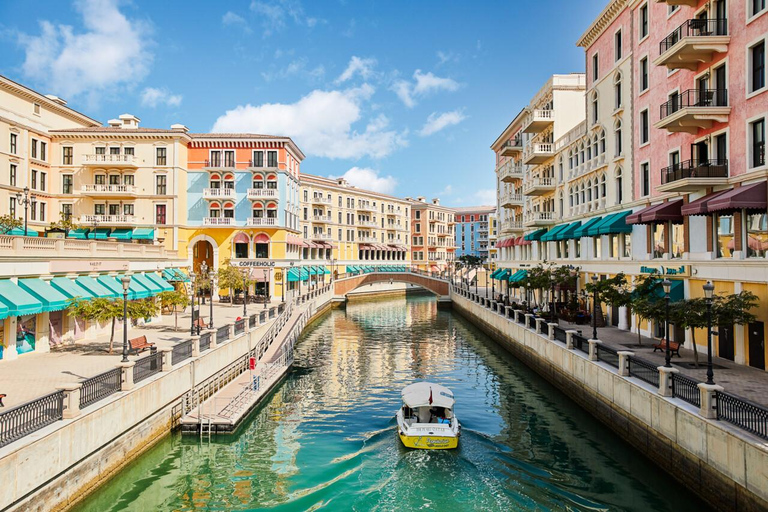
(667, 285)
(211, 277)
(493, 287)
(204, 275)
(709, 290)
(192, 277)
(282, 285)
(594, 308)
(245, 295)
(552, 298)
(26, 201)
(126, 280)
(477, 278)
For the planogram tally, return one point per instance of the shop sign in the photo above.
(682, 270)
(254, 263)
(279, 275)
(87, 265)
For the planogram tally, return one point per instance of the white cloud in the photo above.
(111, 53)
(369, 179)
(231, 18)
(445, 57)
(486, 196)
(297, 67)
(423, 85)
(323, 123)
(275, 15)
(152, 97)
(363, 67)
(448, 190)
(436, 122)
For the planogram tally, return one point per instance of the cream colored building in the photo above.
(344, 226)
(433, 235)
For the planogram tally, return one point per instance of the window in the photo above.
(100, 179)
(33, 211)
(271, 158)
(258, 159)
(229, 159)
(659, 235)
(160, 185)
(619, 134)
(160, 214)
(757, 65)
(643, 21)
(128, 209)
(644, 74)
(646, 177)
(756, 6)
(12, 175)
(674, 159)
(672, 9)
(42, 212)
(14, 143)
(215, 159)
(99, 209)
(66, 183)
(43, 150)
(12, 207)
(594, 108)
(66, 155)
(617, 45)
(101, 150)
(723, 236)
(36, 108)
(757, 235)
(644, 127)
(676, 238)
(34, 178)
(34, 148)
(43, 177)
(161, 156)
(66, 211)
(128, 151)
(594, 68)
(627, 246)
(617, 92)
(757, 133)
(114, 150)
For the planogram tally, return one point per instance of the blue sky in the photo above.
(402, 97)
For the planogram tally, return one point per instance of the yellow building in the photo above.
(433, 238)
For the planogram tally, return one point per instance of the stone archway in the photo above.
(203, 248)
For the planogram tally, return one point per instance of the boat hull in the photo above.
(430, 442)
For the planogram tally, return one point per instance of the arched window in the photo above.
(589, 149)
(617, 90)
(589, 191)
(618, 136)
(594, 146)
(258, 210)
(619, 186)
(214, 210)
(272, 181)
(570, 197)
(583, 193)
(229, 181)
(215, 181)
(570, 159)
(595, 190)
(602, 141)
(258, 180)
(602, 186)
(595, 109)
(581, 153)
(562, 205)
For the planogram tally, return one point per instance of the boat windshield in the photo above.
(440, 415)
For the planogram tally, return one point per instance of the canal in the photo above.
(326, 439)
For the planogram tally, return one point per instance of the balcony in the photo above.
(689, 3)
(366, 207)
(694, 110)
(393, 227)
(509, 226)
(219, 221)
(261, 166)
(321, 236)
(321, 219)
(261, 221)
(692, 43)
(110, 160)
(262, 193)
(511, 200)
(320, 200)
(693, 175)
(367, 240)
(511, 172)
(97, 190)
(539, 120)
(107, 220)
(219, 165)
(539, 186)
(539, 219)
(218, 193)
(367, 224)
(538, 153)
(511, 147)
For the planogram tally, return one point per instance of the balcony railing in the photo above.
(220, 164)
(367, 224)
(510, 147)
(511, 171)
(539, 153)
(219, 193)
(117, 160)
(368, 207)
(695, 98)
(261, 221)
(539, 218)
(321, 200)
(538, 186)
(323, 219)
(218, 221)
(110, 189)
(511, 198)
(321, 236)
(539, 119)
(107, 219)
(694, 28)
(713, 168)
(262, 165)
(367, 240)
(262, 193)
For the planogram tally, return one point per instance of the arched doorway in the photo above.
(202, 251)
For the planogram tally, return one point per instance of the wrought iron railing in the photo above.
(205, 341)
(101, 386)
(686, 389)
(742, 413)
(183, 351)
(581, 343)
(644, 371)
(607, 355)
(694, 28)
(253, 321)
(695, 98)
(712, 168)
(147, 366)
(222, 334)
(560, 334)
(30, 417)
(239, 326)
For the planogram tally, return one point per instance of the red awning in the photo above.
(522, 241)
(701, 205)
(434, 268)
(259, 274)
(261, 238)
(664, 212)
(748, 197)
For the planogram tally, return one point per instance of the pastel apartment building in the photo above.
(473, 231)
(432, 235)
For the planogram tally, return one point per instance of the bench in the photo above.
(200, 322)
(139, 344)
(674, 347)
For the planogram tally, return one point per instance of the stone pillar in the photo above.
(569, 338)
(551, 326)
(195, 346)
(708, 409)
(593, 349)
(71, 399)
(624, 356)
(127, 380)
(665, 380)
(231, 332)
(539, 325)
(214, 344)
(9, 352)
(516, 311)
(508, 311)
(42, 333)
(528, 320)
(167, 357)
(623, 324)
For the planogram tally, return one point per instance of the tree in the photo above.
(64, 223)
(174, 300)
(231, 278)
(8, 223)
(645, 301)
(613, 291)
(109, 310)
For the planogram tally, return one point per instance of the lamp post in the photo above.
(126, 280)
(493, 287)
(477, 278)
(709, 290)
(667, 285)
(245, 295)
(282, 285)
(211, 277)
(26, 201)
(266, 288)
(204, 275)
(192, 277)
(552, 299)
(594, 308)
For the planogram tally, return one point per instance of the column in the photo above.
(623, 323)
(42, 333)
(9, 352)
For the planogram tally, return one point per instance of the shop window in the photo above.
(627, 245)
(724, 241)
(757, 235)
(241, 250)
(262, 250)
(659, 247)
(677, 238)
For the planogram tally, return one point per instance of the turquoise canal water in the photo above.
(326, 439)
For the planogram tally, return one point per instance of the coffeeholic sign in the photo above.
(260, 264)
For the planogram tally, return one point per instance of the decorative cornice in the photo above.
(603, 21)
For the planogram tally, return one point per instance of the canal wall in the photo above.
(724, 465)
(57, 466)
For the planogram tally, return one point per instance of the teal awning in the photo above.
(550, 235)
(80, 234)
(568, 232)
(114, 286)
(19, 301)
(159, 281)
(297, 274)
(676, 291)
(312, 270)
(98, 234)
(503, 274)
(96, 288)
(3, 314)
(48, 296)
(615, 224)
(325, 270)
(518, 276)
(147, 283)
(586, 227)
(70, 289)
(143, 234)
(496, 273)
(135, 287)
(536, 235)
(121, 233)
(20, 232)
(594, 229)
(180, 276)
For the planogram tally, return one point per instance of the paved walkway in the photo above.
(35, 374)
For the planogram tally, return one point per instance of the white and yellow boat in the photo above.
(426, 420)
